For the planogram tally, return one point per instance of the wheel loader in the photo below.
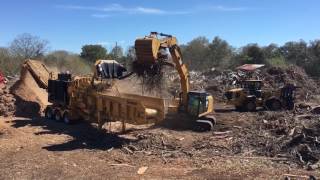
(197, 106)
(250, 95)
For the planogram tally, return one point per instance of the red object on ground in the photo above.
(250, 67)
(2, 79)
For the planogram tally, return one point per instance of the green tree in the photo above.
(295, 52)
(271, 51)
(116, 52)
(130, 56)
(220, 52)
(28, 46)
(314, 50)
(273, 56)
(252, 54)
(196, 52)
(9, 65)
(66, 61)
(91, 53)
(312, 67)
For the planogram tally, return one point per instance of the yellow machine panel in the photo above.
(147, 49)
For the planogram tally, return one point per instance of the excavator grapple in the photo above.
(147, 50)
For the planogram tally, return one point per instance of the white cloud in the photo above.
(120, 9)
(224, 8)
(116, 8)
(74, 7)
(100, 15)
(149, 10)
(104, 43)
(113, 8)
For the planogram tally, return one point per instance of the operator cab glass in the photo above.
(197, 102)
(252, 85)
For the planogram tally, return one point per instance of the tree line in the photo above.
(199, 54)
(27, 46)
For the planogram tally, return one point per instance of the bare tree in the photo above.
(28, 46)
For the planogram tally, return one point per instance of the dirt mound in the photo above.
(31, 99)
(7, 102)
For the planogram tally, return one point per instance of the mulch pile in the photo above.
(30, 98)
(7, 102)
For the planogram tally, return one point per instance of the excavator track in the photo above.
(205, 123)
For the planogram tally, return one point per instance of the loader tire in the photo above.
(48, 113)
(251, 106)
(290, 106)
(57, 115)
(274, 105)
(239, 108)
(66, 118)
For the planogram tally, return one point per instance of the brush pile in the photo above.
(283, 134)
(217, 82)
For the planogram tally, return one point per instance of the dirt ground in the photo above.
(44, 149)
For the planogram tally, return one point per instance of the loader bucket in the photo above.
(147, 50)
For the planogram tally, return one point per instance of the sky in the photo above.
(70, 24)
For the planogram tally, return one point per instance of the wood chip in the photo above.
(128, 165)
(128, 150)
(222, 133)
(296, 176)
(142, 170)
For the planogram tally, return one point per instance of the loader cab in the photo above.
(253, 87)
(198, 102)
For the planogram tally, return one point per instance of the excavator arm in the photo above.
(182, 70)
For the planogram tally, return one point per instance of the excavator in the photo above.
(196, 105)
